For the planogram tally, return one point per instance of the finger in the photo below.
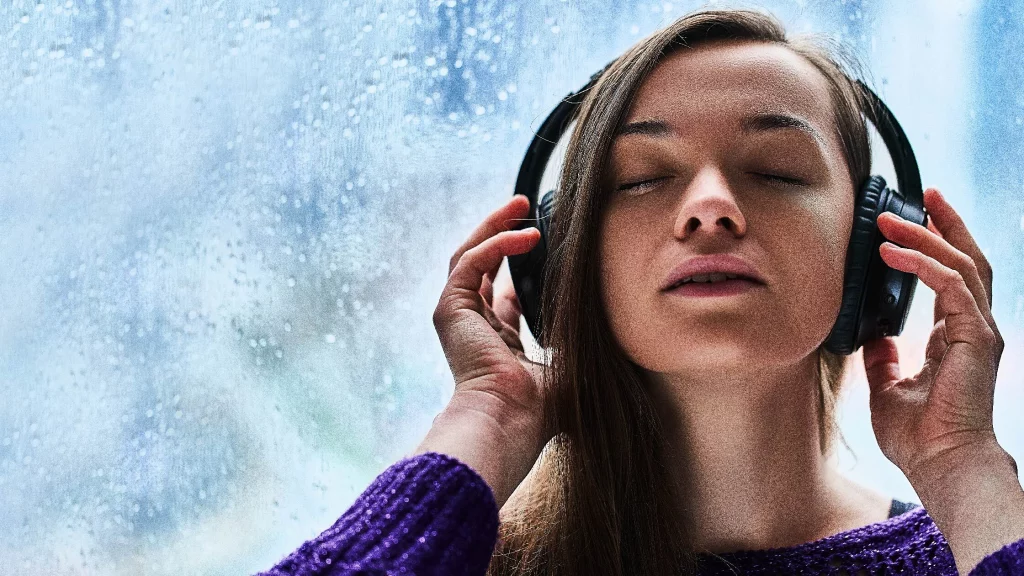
(487, 290)
(917, 237)
(508, 335)
(487, 286)
(460, 300)
(506, 304)
(881, 364)
(952, 227)
(497, 221)
(965, 325)
(467, 277)
(882, 360)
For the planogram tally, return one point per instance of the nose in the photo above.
(709, 207)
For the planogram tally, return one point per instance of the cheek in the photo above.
(621, 258)
(815, 263)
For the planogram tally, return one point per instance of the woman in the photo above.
(675, 433)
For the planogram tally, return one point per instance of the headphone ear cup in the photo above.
(528, 270)
(544, 210)
(859, 254)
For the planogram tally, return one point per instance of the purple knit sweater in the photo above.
(432, 514)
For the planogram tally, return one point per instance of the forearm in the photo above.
(497, 445)
(976, 501)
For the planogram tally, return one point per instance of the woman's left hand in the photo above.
(945, 411)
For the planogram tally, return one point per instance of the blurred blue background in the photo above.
(225, 226)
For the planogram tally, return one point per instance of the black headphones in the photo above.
(876, 298)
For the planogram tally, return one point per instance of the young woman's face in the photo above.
(714, 131)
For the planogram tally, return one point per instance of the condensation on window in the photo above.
(224, 227)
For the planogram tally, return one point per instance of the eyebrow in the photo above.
(753, 123)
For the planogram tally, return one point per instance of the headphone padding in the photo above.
(858, 261)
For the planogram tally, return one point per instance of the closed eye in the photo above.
(769, 177)
(782, 179)
(640, 184)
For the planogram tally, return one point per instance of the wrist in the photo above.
(966, 460)
(975, 499)
(500, 448)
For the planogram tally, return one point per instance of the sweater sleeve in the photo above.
(1007, 561)
(425, 514)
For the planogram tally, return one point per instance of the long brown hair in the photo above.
(596, 500)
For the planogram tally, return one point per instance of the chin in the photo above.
(721, 352)
(689, 355)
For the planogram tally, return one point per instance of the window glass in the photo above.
(224, 227)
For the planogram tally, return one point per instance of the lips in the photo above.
(711, 264)
(713, 289)
(684, 282)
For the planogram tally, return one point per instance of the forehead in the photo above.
(719, 82)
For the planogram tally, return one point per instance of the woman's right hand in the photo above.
(494, 421)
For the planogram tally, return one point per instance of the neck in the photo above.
(744, 450)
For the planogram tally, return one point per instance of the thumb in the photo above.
(881, 363)
(506, 304)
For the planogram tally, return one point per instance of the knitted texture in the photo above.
(910, 543)
(907, 544)
(431, 514)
